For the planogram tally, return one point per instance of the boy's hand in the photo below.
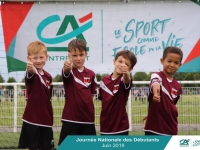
(67, 66)
(144, 119)
(125, 70)
(156, 96)
(126, 73)
(30, 66)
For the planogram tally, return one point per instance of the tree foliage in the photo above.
(11, 80)
(140, 76)
(57, 78)
(1, 79)
(23, 81)
(98, 76)
(190, 76)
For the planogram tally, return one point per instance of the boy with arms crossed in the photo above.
(38, 115)
(114, 92)
(79, 84)
(164, 92)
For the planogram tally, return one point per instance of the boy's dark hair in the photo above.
(77, 44)
(128, 55)
(175, 50)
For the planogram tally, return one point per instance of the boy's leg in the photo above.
(123, 133)
(29, 137)
(68, 128)
(46, 138)
(22, 139)
(88, 129)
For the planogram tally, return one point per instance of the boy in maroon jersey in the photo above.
(114, 92)
(38, 115)
(164, 92)
(79, 84)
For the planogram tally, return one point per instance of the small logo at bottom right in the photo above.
(196, 143)
(184, 143)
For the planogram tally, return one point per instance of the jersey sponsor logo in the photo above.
(174, 93)
(87, 81)
(116, 88)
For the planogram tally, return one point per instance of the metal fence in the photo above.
(13, 102)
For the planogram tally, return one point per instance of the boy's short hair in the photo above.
(77, 44)
(175, 50)
(36, 47)
(128, 55)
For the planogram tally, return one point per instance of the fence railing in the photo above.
(13, 103)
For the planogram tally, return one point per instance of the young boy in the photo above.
(164, 92)
(38, 115)
(79, 84)
(114, 92)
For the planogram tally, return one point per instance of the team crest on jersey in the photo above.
(47, 84)
(87, 80)
(116, 88)
(174, 93)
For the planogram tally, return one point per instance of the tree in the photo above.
(188, 76)
(149, 76)
(191, 77)
(140, 76)
(23, 81)
(58, 78)
(1, 79)
(180, 76)
(98, 76)
(11, 80)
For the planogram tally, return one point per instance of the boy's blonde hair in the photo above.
(36, 47)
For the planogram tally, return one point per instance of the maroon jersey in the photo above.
(114, 95)
(79, 87)
(162, 116)
(38, 109)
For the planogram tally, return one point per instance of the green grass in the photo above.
(188, 107)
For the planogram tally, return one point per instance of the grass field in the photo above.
(188, 106)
